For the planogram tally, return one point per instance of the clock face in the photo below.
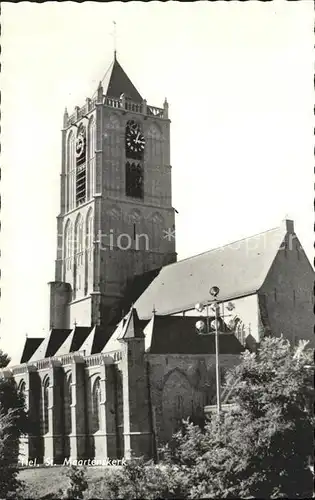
(135, 140)
(79, 146)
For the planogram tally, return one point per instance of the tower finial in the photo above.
(115, 40)
(165, 106)
(65, 118)
(100, 92)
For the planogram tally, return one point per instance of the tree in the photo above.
(4, 359)
(9, 483)
(13, 422)
(261, 448)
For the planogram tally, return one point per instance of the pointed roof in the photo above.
(51, 344)
(239, 269)
(88, 343)
(132, 328)
(102, 334)
(148, 334)
(74, 341)
(116, 82)
(30, 346)
(113, 344)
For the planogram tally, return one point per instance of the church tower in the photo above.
(116, 218)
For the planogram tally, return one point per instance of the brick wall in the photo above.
(288, 292)
(180, 386)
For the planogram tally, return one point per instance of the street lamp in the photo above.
(203, 330)
(214, 291)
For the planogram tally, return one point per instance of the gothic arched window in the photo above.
(45, 400)
(178, 407)
(89, 249)
(78, 260)
(80, 151)
(70, 172)
(91, 138)
(114, 122)
(154, 142)
(68, 240)
(134, 180)
(67, 404)
(79, 235)
(22, 387)
(71, 153)
(96, 404)
(91, 146)
(89, 230)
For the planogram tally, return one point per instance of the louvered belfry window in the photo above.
(80, 151)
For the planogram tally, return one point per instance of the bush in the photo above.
(78, 482)
(139, 479)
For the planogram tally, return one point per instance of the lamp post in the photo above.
(215, 306)
(214, 291)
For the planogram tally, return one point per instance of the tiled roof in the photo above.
(238, 269)
(178, 335)
(30, 346)
(172, 335)
(116, 82)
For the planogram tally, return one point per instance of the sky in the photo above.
(239, 81)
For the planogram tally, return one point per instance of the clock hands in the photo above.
(134, 138)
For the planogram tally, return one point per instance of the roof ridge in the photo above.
(222, 246)
(111, 66)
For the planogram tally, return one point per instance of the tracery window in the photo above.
(134, 180)
(91, 138)
(22, 388)
(70, 172)
(96, 404)
(89, 230)
(45, 400)
(79, 235)
(67, 404)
